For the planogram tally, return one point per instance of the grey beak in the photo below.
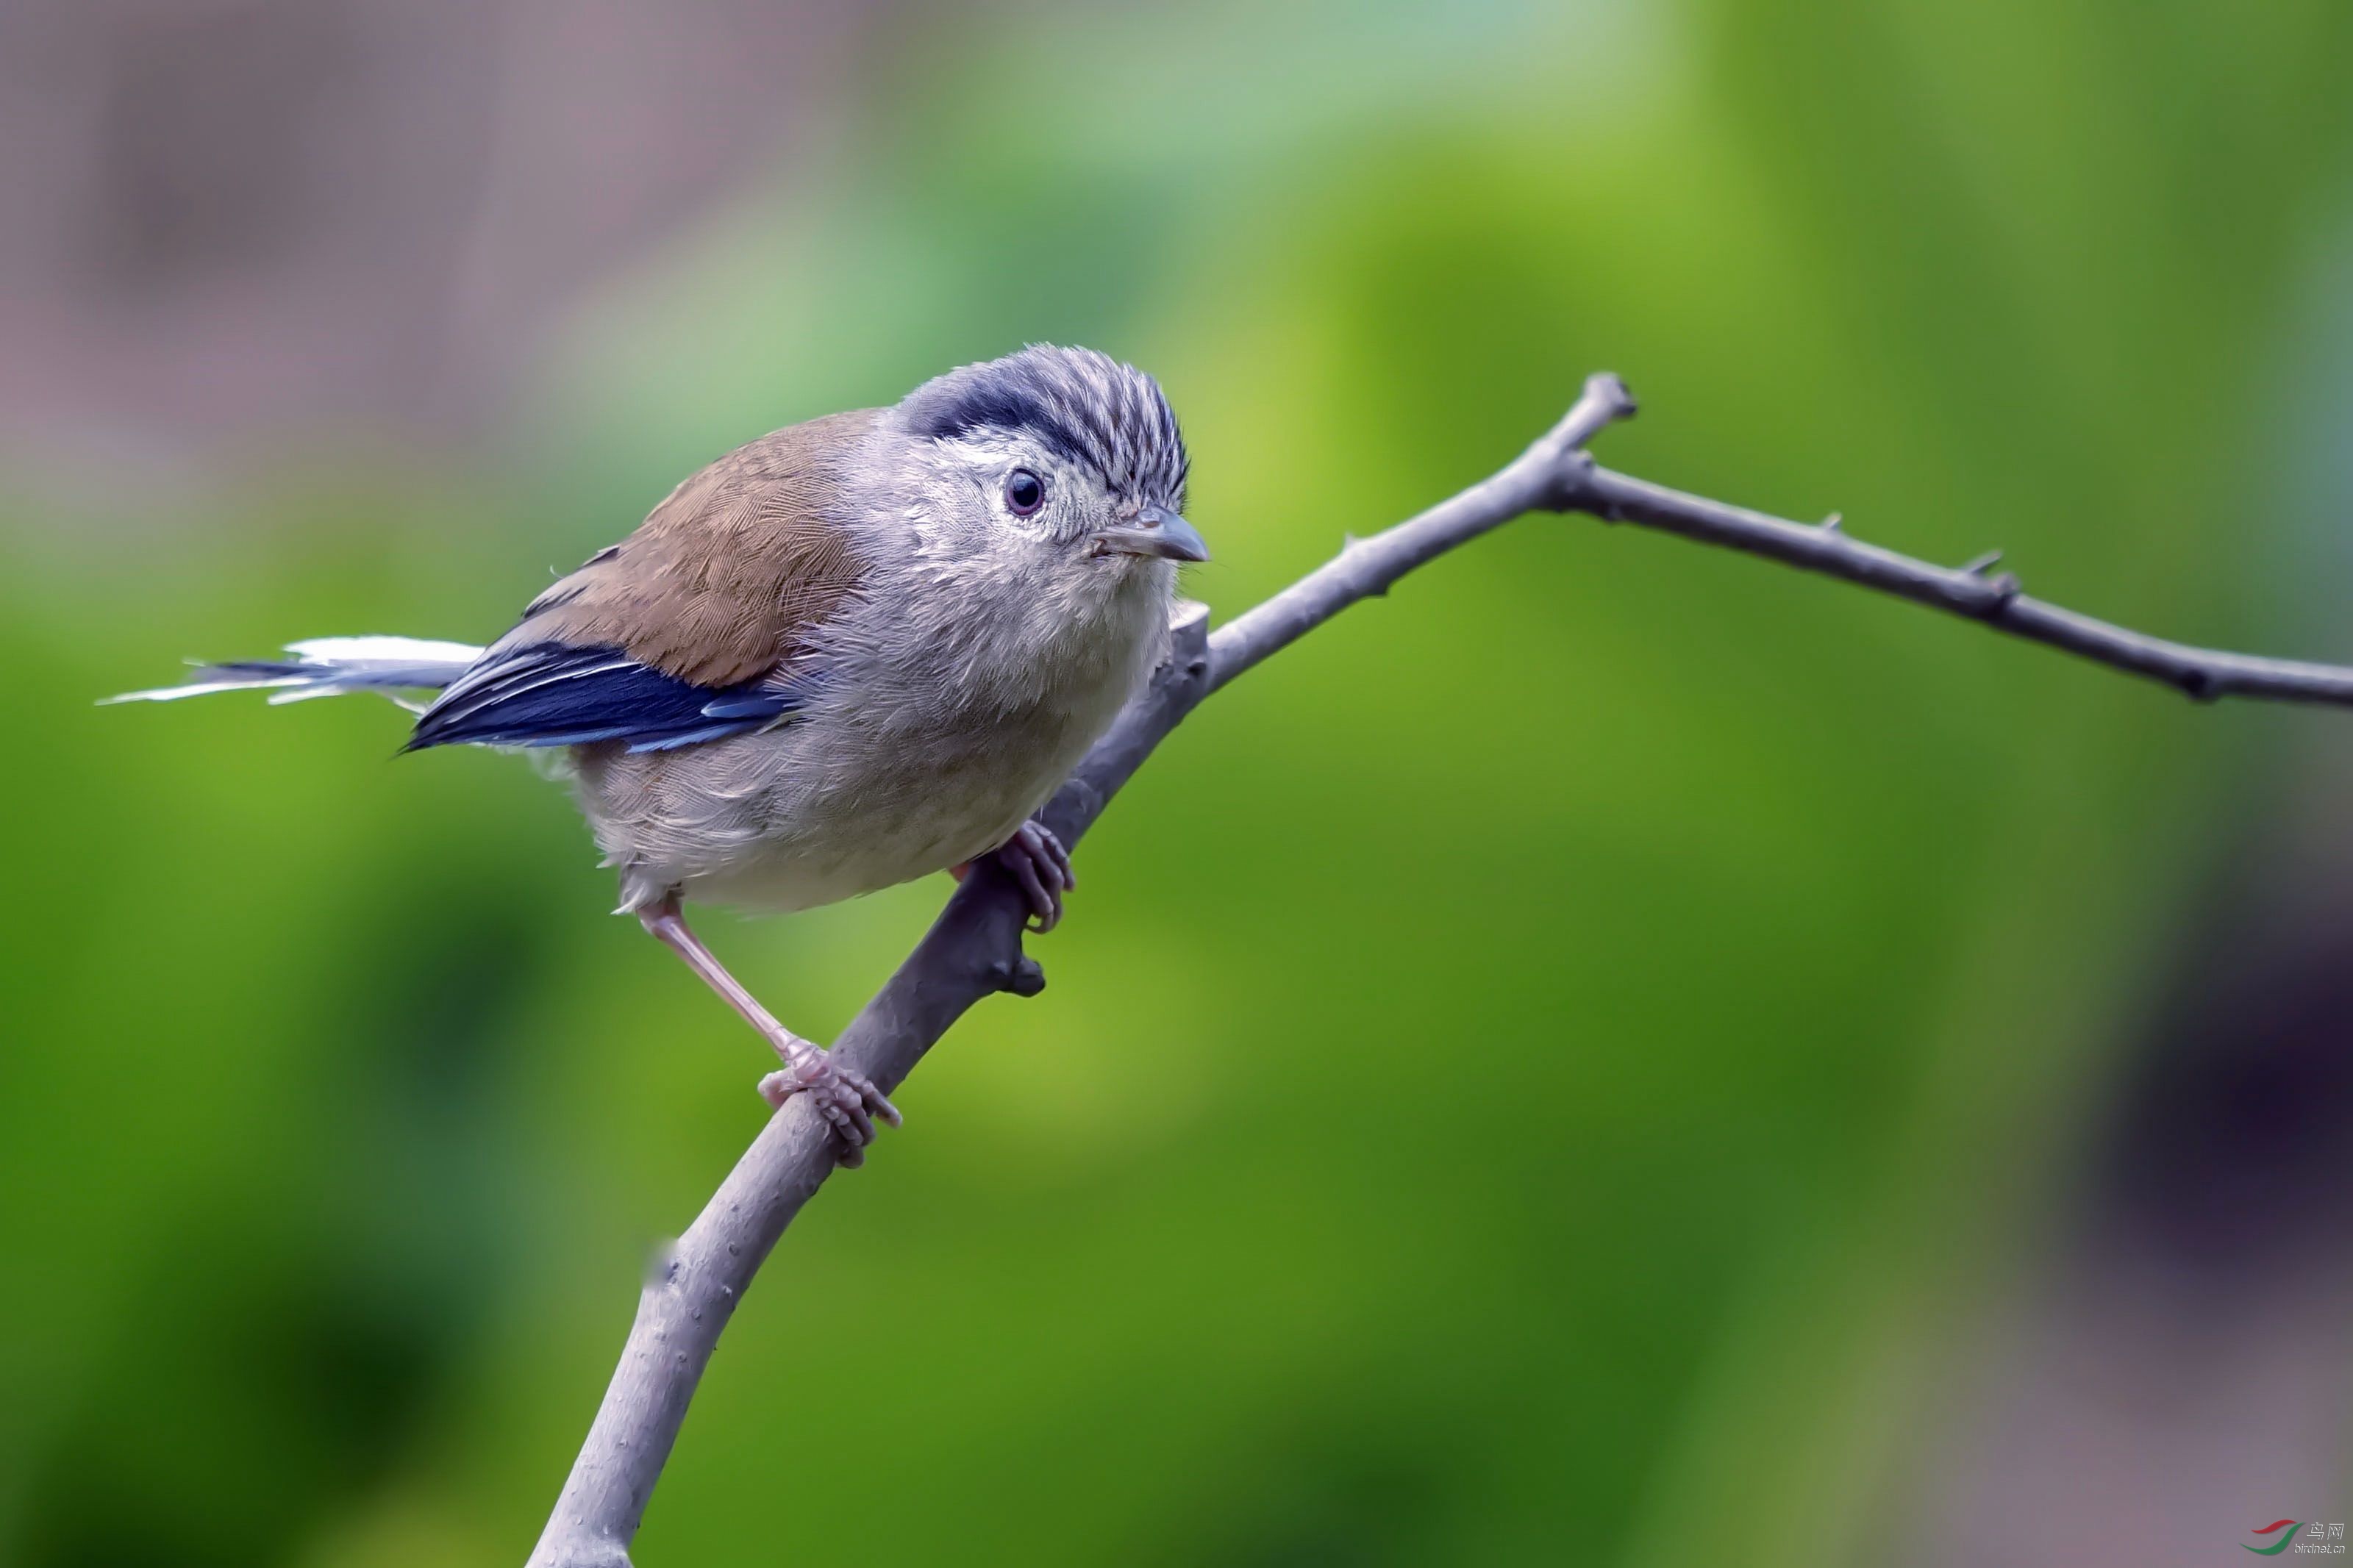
(1156, 531)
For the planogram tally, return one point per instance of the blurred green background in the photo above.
(1614, 1054)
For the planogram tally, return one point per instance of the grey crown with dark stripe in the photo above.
(1084, 406)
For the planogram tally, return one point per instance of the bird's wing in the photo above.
(696, 626)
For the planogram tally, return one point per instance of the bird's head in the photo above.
(1064, 459)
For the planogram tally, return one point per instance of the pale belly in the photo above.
(864, 845)
(825, 809)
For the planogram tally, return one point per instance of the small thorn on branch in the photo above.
(662, 1262)
(1983, 563)
(1572, 478)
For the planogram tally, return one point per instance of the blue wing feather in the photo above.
(554, 694)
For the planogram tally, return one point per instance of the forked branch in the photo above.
(973, 949)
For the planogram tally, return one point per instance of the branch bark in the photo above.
(973, 949)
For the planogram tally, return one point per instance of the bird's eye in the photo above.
(1025, 492)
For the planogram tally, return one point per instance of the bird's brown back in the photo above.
(724, 580)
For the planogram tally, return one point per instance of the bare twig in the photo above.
(973, 949)
(2204, 674)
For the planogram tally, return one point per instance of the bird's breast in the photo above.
(915, 756)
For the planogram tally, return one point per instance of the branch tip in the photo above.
(1608, 389)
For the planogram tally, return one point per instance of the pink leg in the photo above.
(846, 1098)
(1039, 866)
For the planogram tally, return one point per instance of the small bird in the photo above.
(849, 654)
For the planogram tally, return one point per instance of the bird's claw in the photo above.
(848, 1100)
(1041, 867)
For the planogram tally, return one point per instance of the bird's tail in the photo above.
(329, 667)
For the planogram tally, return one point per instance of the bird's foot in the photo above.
(1041, 868)
(848, 1100)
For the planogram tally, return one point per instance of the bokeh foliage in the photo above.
(1534, 1074)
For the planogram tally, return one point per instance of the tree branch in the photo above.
(973, 949)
